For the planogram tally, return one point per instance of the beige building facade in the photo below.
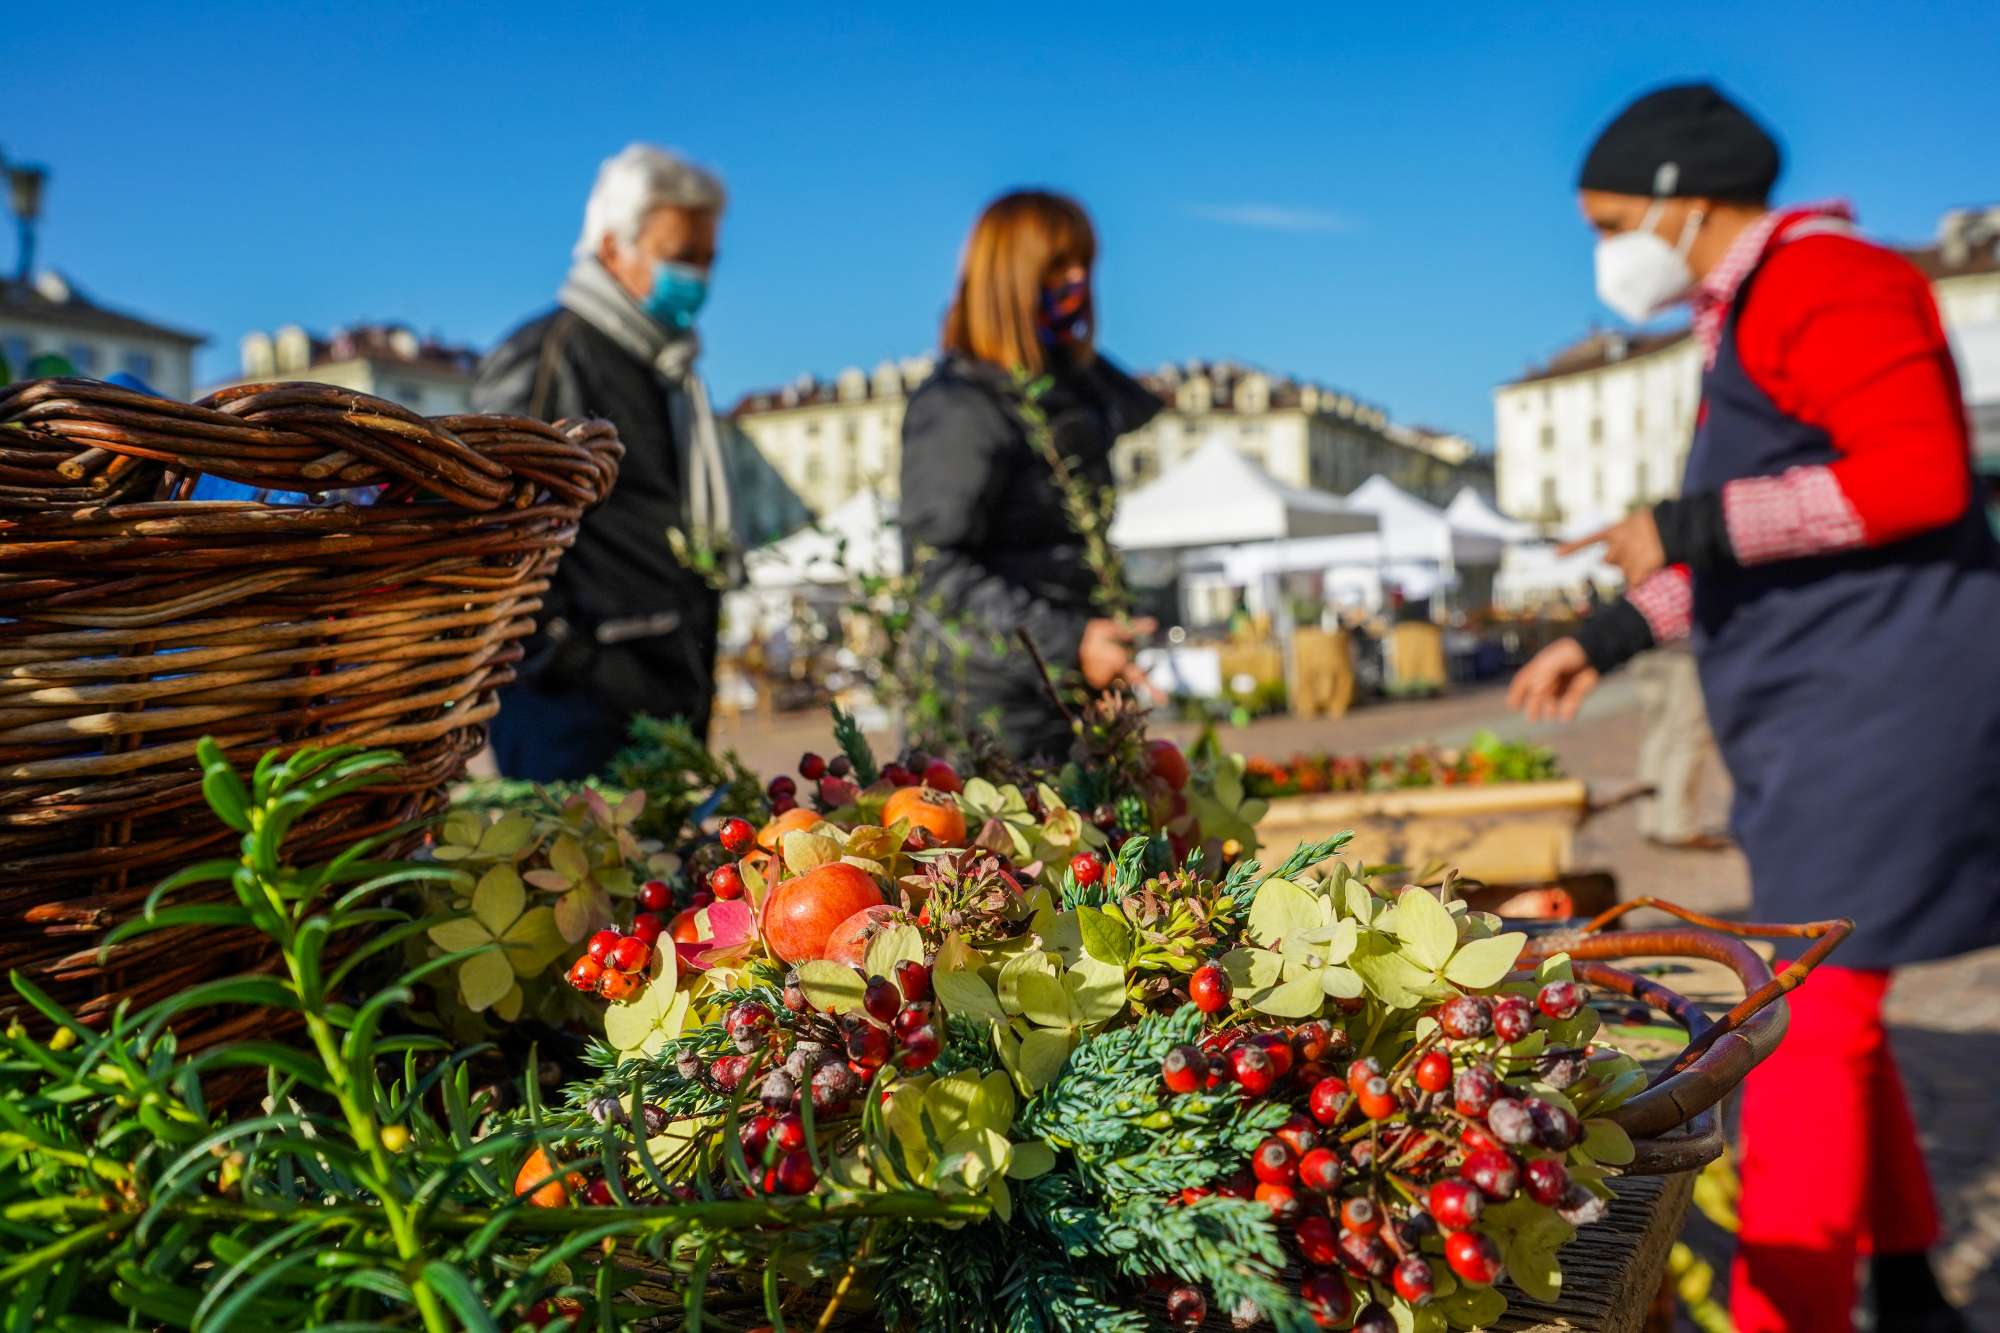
(390, 361)
(50, 316)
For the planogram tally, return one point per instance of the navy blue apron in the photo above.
(1856, 702)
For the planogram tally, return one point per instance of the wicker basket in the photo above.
(134, 620)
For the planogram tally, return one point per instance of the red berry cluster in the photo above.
(835, 784)
(1383, 1173)
(614, 963)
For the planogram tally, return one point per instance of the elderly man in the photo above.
(629, 625)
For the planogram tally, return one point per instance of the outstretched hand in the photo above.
(1554, 683)
(1632, 545)
(1106, 655)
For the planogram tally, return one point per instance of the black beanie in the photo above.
(1687, 139)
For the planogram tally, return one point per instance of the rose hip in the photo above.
(1275, 1162)
(1559, 1000)
(1455, 1204)
(1473, 1257)
(1512, 1018)
(1414, 1280)
(1326, 1299)
(1466, 1017)
(1209, 988)
(1433, 1072)
(1328, 1100)
(1546, 1180)
(1320, 1170)
(1495, 1174)
(1511, 1122)
(1317, 1241)
(1183, 1068)
(737, 836)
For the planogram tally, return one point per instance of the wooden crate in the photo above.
(1502, 833)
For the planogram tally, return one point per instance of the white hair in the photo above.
(638, 180)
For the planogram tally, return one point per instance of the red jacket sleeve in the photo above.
(1844, 335)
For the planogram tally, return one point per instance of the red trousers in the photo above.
(1830, 1164)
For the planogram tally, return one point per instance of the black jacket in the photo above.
(987, 533)
(621, 580)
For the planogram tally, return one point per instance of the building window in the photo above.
(1597, 430)
(82, 356)
(1548, 436)
(1639, 419)
(815, 471)
(1640, 488)
(140, 365)
(812, 430)
(1597, 486)
(850, 430)
(1550, 509)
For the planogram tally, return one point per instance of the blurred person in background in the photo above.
(1828, 555)
(982, 511)
(1673, 746)
(629, 624)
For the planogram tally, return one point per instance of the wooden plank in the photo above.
(1613, 1269)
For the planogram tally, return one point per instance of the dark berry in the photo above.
(1466, 1017)
(656, 1119)
(1561, 1069)
(1275, 1162)
(832, 1084)
(881, 999)
(1086, 868)
(1318, 1244)
(811, 767)
(909, 1018)
(795, 998)
(1414, 1280)
(1375, 1318)
(1555, 1129)
(1320, 1170)
(839, 766)
(940, 776)
(781, 788)
(598, 1194)
(1319, 1041)
(737, 836)
(1209, 988)
(1473, 1090)
(1433, 1073)
(920, 1048)
(1328, 1100)
(1186, 1306)
(796, 1174)
(1360, 1215)
(754, 1134)
(1326, 1299)
(867, 1045)
(1513, 1017)
(1511, 1122)
(789, 1133)
(726, 881)
(1580, 1206)
(1546, 1181)
(1366, 1256)
(602, 943)
(780, 1092)
(700, 898)
(1559, 1000)
(1495, 1174)
(728, 1071)
(1250, 1066)
(1455, 1204)
(914, 980)
(898, 776)
(783, 805)
(1183, 1069)
(1299, 1131)
(1473, 1257)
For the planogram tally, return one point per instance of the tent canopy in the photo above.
(1217, 496)
(857, 537)
(1469, 511)
(1413, 529)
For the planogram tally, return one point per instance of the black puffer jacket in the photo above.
(620, 582)
(994, 550)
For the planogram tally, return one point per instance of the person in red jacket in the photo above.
(1830, 560)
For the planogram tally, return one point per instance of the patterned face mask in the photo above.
(1064, 317)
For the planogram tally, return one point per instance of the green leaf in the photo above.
(962, 991)
(1554, 968)
(509, 834)
(1341, 983)
(1472, 1307)
(1606, 1141)
(1480, 964)
(1281, 909)
(1096, 989)
(1393, 979)
(1105, 938)
(459, 1293)
(1252, 969)
(831, 985)
(567, 859)
(806, 850)
(1043, 1053)
(498, 898)
(1041, 998)
(1427, 931)
(1300, 997)
(1031, 1159)
(483, 979)
(895, 945)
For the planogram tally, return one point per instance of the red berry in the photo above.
(1512, 1018)
(1473, 1257)
(630, 954)
(795, 1173)
(1474, 1138)
(1366, 1256)
(881, 999)
(598, 1194)
(788, 1134)
(1327, 1299)
(1375, 1099)
(1375, 1318)
(1511, 1122)
(1455, 1204)
(748, 1020)
(726, 881)
(1238, 1185)
(1555, 1128)
(1279, 1048)
(1086, 868)
(617, 986)
(1299, 1131)
(1414, 1280)
(1559, 1000)
(920, 1048)
(738, 836)
(1328, 1100)
(1274, 1162)
(898, 776)
(1183, 1069)
(1250, 1066)
(781, 805)
(1318, 1040)
(1473, 1090)
(543, 1313)
(811, 767)
(1362, 1154)
(655, 896)
(754, 1134)
(1495, 1174)
(1546, 1181)
(1433, 1072)
(584, 972)
(1360, 1215)
(647, 927)
(914, 980)
(1362, 1070)
(1316, 1241)
(940, 776)
(1209, 988)
(1320, 1170)
(1185, 1305)
(1282, 1200)
(867, 1046)
(602, 943)
(1465, 1017)
(781, 788)
(909, 1018)
(839, 766)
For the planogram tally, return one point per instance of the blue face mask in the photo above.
(678, 293)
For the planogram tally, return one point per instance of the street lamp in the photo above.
(24, 198)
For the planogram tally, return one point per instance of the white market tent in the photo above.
(1978, 349)
(858, 537)
(1217, 496)
(1414, 529)
(1533, 572)
(1469, 511)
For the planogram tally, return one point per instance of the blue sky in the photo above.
(1375, 197)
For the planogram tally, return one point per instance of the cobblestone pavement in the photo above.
(1944, 1017)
